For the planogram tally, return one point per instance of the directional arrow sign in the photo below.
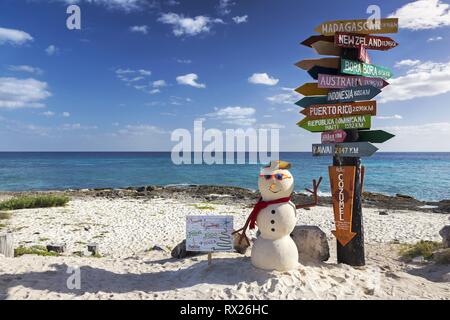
(307, 101)
(313, 39)
(324, 62)
(363, 55)
(327, 48)
(364, 69)
(311, 89)
(374, 136)
(346, 149)
(363, 26)
(342, 182)
(340, 82)
(320, 125)
(352, 94)
(322, 111)
(336, 136)
(315, 71)
(351, 40)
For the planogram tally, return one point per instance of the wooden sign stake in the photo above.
(209, 259)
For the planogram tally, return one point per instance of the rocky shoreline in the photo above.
(232, 195)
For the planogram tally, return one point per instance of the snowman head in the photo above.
(275, 181)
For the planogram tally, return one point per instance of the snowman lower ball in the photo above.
(274, 249)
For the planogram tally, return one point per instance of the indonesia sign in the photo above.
(353, 94)
(340, 82)
(342, 183)
(209, 233)
(322, 111)
(320, 125)
(351, 40)
(363, 26)
(364, 69)
(346, 149)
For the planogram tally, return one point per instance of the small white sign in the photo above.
(209, 233)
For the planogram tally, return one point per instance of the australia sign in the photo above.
(340, 82)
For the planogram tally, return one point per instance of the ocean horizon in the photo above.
(418, 174)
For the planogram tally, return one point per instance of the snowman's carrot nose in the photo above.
(272, 186)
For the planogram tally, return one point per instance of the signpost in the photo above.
(209, 234)
(320, 125)
(363, 26)
(345, 149)
(342, 183)
(323, 111)
(340, 82)
(336, 136)
(311, 89)
(352, 40)
(364, 69)
(339, 106)
(353, 94)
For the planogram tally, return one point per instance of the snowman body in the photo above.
(274, 249)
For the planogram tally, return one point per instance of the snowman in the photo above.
(275, 215)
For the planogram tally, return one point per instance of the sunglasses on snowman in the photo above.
(277, 176)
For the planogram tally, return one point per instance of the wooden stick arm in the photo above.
(314, 194)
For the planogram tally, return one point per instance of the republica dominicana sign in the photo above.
(320, 125)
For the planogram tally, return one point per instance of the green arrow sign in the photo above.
(320, 125)
(374, 136)
(307, 101)
(364, 69)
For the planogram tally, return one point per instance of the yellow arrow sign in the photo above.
(311, 89)
(324, 62)
(363, 26)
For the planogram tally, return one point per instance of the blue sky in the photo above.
(137, 70)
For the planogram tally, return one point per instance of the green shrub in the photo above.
(4, 215)
(38, 201)
(39, 250)
(422, 248)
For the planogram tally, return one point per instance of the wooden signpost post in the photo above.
(339, 107)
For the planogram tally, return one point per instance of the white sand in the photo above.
(126, 228)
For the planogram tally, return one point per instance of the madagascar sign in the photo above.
(320, 125)
(342, 183)
(340, 82)
(364, 69)
(322, 111)
(363, 26)
(351, 40)
(352, 94)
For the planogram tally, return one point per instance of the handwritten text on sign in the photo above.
(209, 233)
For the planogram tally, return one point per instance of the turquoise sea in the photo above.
(425, 176)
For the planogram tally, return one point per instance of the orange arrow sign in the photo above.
(325, 111)
(342, 181)
(307, 64)
(327, 48)
(311, 89)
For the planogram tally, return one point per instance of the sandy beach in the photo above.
(135, 235)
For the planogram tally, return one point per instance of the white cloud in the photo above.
(188, 26)
(126, 5)
(145, 72)
(25, 68)
(141, 130)
(240, 116)
(425, 79)
(394, 117)
(240, 19)
(124, 71)
(433, 39)
(190, 80)
(141, 29)
(48, 113)
(271, 126)
(66, 114)
(76, 126)
(185, 61)
(407, 63)
(12, 36)
(263, 78)
(423, 14)
(288, 97)
(159, 84)
(52, 50)
(155, 91)
(22, 93)
(224, 6)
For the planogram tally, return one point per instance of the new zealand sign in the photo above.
(364, 69)
(352, 94)
(363, 26)
(351, 40)
(339, 82)
(320, 125)
(346, 149)
(322, 111)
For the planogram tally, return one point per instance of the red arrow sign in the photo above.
(336, 136)
(352, 40)
(342, 181)
(324, 111)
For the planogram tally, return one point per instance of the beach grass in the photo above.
(202, 206)
(4, 215)
(38, 250)
(35, 201)
(422, 248)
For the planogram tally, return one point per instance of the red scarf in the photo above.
(261, 205)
